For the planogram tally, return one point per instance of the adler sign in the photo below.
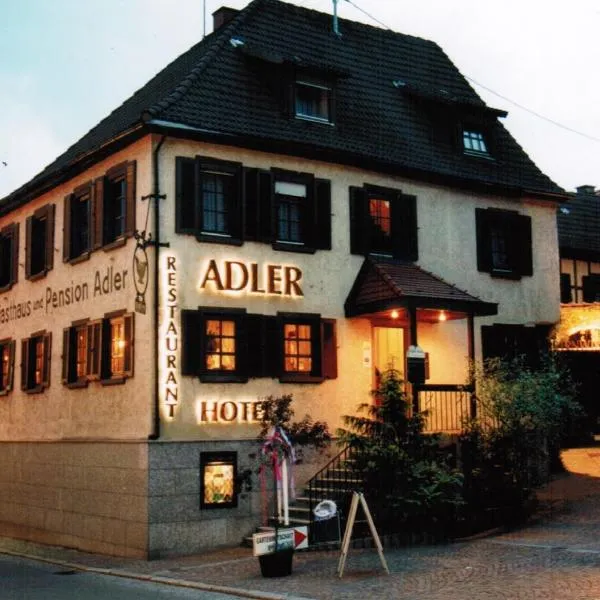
(252, 278)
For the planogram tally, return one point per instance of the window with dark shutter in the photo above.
(215, 344)
(504, 247)
(566, 289)
(209, 199)
(35, 362)
(515, 342)
(112, 209)
(591, 288)
(78, 229)
(39, 248)
(228, 345)
(117, 344)
(9, 256)
(299, 212)
(7, 365)
(383, 221)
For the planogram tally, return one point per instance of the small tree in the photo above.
(408, 478)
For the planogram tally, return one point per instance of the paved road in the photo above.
(556, 559)
(23, 579)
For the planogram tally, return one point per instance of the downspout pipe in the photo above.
(155, 433)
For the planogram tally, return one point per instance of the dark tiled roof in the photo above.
(579, 225)
(217, 86)
(383, 283)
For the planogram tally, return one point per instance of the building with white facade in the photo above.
(281, 210)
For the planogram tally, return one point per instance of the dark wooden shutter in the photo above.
(50, 208)
(130, 194)
(14, 276)
(128, 327)
(525, 250)
(404, 227)
(236, 222)
(484, 250)
(185, 192)
(191, 349)
(273, 347)
(255, 345)
(329, 349)
(28, 248)
(105, 349)
(67, 227)
(266, 210)
(25, 363)
(566, 292)
(322, 238)
(66, 355)
(251, 203)
(47, 349)
(94, 349)
(358, 221)
(98, 213)
(8, 384)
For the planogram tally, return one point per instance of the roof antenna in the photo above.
(336, 28)
(203, 19)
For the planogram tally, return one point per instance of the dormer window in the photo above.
(313, 101)
(474, 142)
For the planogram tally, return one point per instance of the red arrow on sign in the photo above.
(299, 537)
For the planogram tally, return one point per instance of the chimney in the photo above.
(586, 190)
(223, 15)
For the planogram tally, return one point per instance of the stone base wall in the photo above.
(86, 495)
(135, 499)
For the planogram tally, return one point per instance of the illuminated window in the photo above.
(474, 142)
(218, 474)
(313, 101)
(35, 365)
(381, 224)
(220, 345)
(7, 365)
(9, 249)
(98, 350)
(40, 242)
(297, 348)
(383, 221)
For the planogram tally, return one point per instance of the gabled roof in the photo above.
(233, 93)
(386, 283)
(579, 225)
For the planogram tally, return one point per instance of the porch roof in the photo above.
(386, 283)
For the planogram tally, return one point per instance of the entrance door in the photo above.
(388, 344)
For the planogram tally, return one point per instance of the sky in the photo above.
(66, 64)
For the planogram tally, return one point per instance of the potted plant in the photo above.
(279, 436)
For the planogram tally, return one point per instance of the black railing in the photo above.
(335, 481)
(446, 407)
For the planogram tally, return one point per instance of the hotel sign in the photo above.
(236, 276)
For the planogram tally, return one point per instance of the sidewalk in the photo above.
(558, 557)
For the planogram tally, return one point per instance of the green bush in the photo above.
(507, 450)
(408, 479)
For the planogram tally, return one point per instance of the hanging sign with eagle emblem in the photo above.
(140, 277)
